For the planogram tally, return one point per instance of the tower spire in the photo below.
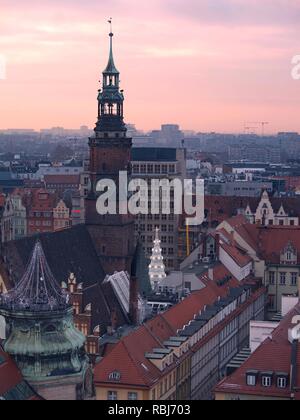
(111, 68)
(110, 99)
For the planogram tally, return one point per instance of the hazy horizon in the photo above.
(210, 67)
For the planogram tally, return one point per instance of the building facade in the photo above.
(275, 251)
(61, 216)
(20, 215)
(159, 164)
(7, 220)
(182, 352)
(40, 207)
(272, 371)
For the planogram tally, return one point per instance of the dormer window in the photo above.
(252, 378)
(115, 376)
(282, 383)
(289, 254)
(282, 380)
(266, 379)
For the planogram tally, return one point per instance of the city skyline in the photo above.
(208, 68)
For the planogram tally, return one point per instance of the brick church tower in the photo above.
(110, 153)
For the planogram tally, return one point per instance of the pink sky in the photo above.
(209, 65)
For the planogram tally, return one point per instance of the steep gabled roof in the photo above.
(274, 355)
(128, 357)
(67, 251)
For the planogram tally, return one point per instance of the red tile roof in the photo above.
(273, 240)
(62, 179)
(10, 378)
(241, 259)
(220, 208)
(10, 375)
(2, 200)
(267, 241)
(274, 355)
(128, 356)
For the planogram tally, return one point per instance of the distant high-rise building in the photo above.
(159, 164)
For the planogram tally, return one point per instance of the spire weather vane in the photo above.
(110, 22)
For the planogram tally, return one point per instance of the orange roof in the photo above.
(10, 378)
(128, 356)
(274, 355)
(267, 241)
(2, 200)
(242, 259)
(62, 179)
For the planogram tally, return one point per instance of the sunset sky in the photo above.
(208, 65)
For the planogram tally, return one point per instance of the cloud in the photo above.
(207, 63)
(237, 12)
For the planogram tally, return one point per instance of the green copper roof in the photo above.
(111, 68)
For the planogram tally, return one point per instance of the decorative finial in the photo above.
(111, 28)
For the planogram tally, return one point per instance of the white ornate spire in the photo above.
(157, 268)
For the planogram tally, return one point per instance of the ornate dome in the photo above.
(38, 290)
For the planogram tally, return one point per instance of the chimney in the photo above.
(114, 319)
(204, 251)
(211, 273)
(134, 290)
(217, 238)
(133, 300)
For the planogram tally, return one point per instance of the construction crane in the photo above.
(247, 130)
(262, 124)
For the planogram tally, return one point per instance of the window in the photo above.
(272, 278)
(132, 396)
(282, 279)
(112, 396)
(150, 169)
(267, 381)
(294, 279)
(188, 285)
(76, 308)
(115, 376)
(157, 169)
(282, 383)
(251, 380)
